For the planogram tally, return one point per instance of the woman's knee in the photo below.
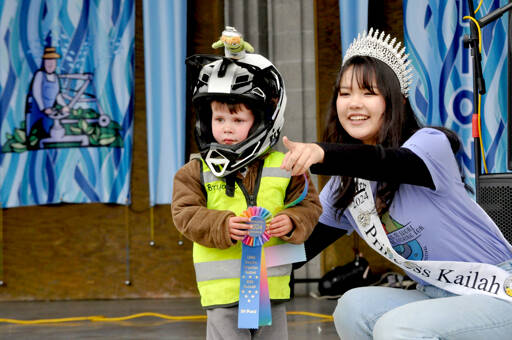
(349, 304)
(350, 315)
(360, 308)
(384, 330)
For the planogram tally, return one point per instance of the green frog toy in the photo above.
(234, 44)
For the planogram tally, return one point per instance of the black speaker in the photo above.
(495, 197)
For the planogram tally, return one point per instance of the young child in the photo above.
(239, 108)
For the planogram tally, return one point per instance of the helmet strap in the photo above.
(230, 185)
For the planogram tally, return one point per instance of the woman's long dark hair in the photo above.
(399, 123)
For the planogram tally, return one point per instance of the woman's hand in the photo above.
(301, 156)
(239, 227)
(280, 225)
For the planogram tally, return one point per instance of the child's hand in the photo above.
(280, 226)
(239, 227)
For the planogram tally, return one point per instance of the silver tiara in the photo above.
(379, 47)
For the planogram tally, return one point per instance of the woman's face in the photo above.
(360, 111)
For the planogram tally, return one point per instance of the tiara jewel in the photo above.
(377, 46)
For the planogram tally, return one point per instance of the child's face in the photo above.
(230, 128)
(360, 111)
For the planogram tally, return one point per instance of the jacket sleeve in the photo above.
(192, 218)
(304, 215)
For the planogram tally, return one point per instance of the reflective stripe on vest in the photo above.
(218, 270)
(230, 269)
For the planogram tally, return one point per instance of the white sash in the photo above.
(461, 278)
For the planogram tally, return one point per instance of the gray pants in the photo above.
(222, 324)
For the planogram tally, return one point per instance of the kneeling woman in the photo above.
(399, 187)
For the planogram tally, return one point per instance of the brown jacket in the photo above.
(209, 227)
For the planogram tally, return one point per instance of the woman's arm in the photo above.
(321, 237)
(372, 162)
(375, 163)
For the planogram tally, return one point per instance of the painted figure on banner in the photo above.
(59, 117)
(44, 94)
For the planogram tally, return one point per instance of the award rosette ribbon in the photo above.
(254, 301)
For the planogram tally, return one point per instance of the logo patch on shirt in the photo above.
(404, 238)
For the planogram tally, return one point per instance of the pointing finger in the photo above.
(288, 143)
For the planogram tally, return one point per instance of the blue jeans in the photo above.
(425, 313)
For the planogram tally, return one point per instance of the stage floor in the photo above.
(300, 326)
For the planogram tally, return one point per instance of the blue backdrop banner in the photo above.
(165, 49)
(442, 94)
(353, 20)
(66, 101)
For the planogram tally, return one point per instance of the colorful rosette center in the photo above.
(259, 218)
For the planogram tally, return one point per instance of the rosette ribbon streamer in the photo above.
(254, 299)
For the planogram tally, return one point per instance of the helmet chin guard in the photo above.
(217, 161)
(220, 158)
(251, 80)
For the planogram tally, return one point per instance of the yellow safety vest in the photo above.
(218, 270)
